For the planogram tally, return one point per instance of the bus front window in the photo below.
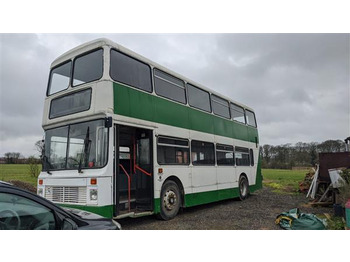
(55, 152)
(86, 68)
(77, 146)
(59, 78)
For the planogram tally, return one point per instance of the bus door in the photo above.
(134, 179)
(143, 168)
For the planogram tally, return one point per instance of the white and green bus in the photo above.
(126, 137)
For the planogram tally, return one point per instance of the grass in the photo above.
(283, 180)
(333, 222)
(17, 172)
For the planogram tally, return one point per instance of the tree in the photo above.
(300, 154)
(8, 157)
(266, 154)
(313, 154)
(12, 157)
(331, 146)
(39, 146)
(33, 166)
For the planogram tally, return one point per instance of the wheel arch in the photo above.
(245, 193)
(245, 175)
(179, 184)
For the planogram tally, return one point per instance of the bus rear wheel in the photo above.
(243, 188)
(170, 200)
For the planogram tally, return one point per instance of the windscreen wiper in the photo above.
(86, 150)
(47, 164)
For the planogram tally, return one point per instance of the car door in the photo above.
(18, 212)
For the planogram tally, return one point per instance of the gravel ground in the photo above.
(257, 212)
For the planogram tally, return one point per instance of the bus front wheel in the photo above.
(243, 188)
(170, 200)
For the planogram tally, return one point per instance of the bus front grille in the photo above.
(61, 194)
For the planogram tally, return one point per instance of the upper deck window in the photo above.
(88, 68)
(59, 78)
(237, 113)
(198, 98)
(250, 118)
(70, 104)
(130, 71)
(169, 86)
(220, 106)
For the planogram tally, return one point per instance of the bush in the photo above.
(23, 185)
(33, 166)
(335, 223)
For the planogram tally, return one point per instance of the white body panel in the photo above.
(196, 179)
(71, 178)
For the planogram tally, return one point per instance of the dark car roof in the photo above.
(81, 222)
(9, 188)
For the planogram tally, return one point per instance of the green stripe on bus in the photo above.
(210, 196)
(105, 211)
(140, 105)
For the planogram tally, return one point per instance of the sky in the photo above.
(298, 84)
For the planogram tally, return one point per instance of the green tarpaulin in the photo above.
(295, 220)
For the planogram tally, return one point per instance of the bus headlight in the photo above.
(93, 194)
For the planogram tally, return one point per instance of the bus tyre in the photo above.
(170, 200)
(243, 188)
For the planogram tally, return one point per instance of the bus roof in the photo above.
(100, 42)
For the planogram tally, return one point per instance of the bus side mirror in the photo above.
(108, 122)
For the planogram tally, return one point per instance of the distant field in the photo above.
(17, 172)
(282, 180)
(284, 174)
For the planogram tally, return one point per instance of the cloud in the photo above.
(298, 84)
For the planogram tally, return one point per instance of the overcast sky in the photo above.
(298, 84)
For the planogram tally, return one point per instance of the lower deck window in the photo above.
(224, 155)
(242, 156)
(202, 153)
(173, 151)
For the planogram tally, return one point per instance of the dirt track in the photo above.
(257, 212)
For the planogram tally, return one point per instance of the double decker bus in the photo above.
(126, 137)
